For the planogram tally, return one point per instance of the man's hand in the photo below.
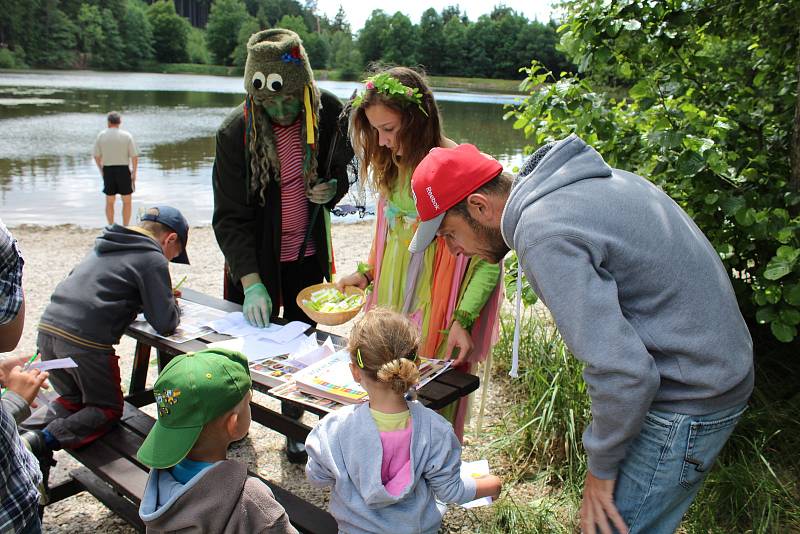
(257, 306)
(26, 384)
(461, 339)
(322, 193)
(598, 507)
(356, 279)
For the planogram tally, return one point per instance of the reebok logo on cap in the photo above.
(454, 174)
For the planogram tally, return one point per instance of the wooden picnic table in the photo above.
(443, 390)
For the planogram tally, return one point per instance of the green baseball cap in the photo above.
(192, 390)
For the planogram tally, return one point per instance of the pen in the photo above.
(180, 283)
(30, 361)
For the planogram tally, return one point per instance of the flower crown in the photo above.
(393, 88)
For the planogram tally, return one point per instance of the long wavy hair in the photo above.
(417, 134)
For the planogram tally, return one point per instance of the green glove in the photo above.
(257, 305)
(322, 193)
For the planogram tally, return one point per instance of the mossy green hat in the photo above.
(277, 65)
(192, 390)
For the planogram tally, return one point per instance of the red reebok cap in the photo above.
(445, 177)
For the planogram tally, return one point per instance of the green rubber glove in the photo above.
(257, 305)
(323, 193)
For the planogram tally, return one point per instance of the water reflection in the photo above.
(49, 121)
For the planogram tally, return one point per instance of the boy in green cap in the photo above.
(203, 403)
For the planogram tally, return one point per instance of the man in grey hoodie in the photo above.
(638, 294)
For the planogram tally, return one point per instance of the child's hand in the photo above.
(26, 384)
(7, 364)
(488, 486)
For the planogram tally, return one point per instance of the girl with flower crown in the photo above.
(454, 300)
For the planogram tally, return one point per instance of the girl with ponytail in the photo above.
(390, 459)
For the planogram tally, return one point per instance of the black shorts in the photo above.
(117, 180)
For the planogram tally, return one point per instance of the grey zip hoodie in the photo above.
(345, 451)
(220, 499)
(636, 290)
(126, 273)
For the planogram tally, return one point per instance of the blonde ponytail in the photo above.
(401, 374)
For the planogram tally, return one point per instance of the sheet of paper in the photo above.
(234, 324)
(194, 322)
(286, 332)
(303, 357)
(475, 469)
(256, 348)
(59, 363)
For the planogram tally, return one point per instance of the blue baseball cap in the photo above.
(171, 217)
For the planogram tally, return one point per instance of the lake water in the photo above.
(49, 121)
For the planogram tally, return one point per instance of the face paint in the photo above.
(282, 110)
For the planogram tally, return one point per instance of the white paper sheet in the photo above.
(256, 348)
(475, 469)
(58, 363)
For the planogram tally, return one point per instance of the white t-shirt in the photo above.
(115, 147)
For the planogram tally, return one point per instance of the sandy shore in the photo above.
(51, 252)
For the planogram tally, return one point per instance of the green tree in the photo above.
(340, 23)
(44, 18)
(345, 57)
(399, 44)
(222, 31)
(136, 34)
(372, 37)
(248, 28)
(90, 29)
(170, 32)
(431, 41)
(711, 116)
(316, 48)
(454, 48)
(196, 48)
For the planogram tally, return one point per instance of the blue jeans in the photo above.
(666, 464)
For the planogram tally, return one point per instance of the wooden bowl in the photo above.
(328, 318)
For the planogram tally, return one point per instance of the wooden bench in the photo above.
(114, 476)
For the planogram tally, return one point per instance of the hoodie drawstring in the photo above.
(515, 348)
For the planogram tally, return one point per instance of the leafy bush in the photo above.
(707, 117)
(7, 59)
(196, 47)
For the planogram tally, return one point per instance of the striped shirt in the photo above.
(294, 204)
(10, 276)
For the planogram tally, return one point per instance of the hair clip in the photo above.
(359, 361)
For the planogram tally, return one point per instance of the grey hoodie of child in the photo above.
(345, 451)
(126, 273)
(637, 292)
(221, 499)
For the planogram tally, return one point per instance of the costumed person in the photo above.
(455, 301)
(280, 166)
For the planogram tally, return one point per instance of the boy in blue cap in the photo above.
(203, 403)
(127, 272)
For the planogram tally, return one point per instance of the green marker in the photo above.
(180, 283)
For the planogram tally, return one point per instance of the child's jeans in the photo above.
(665, 466)
(90, 395)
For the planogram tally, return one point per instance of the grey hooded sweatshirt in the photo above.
(345, 451)
(220, 499)
(637, 292)
(126, 273)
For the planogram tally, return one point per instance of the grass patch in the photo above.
(192, 68)
(753, 486)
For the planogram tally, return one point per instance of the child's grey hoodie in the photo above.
(636, 290)
(344, 451)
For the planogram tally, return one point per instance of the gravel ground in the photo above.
(51, 252)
